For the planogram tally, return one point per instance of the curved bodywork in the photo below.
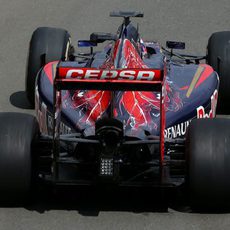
(191, 92)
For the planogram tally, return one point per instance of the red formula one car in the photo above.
(128, 115)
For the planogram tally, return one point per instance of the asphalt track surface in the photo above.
(190, 21)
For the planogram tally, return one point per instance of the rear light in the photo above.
(106, 167)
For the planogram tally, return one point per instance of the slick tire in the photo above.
(46, 45)
(18, 132)
(208, 159)
(219, 58)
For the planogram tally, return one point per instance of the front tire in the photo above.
(208, 158)
(219, 58)
(46, 45)
(17, 135)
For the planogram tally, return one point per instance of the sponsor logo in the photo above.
(178, 130)
(64, 129)
(41, 110)
(45, 118)
(212, 113)
(98, 74)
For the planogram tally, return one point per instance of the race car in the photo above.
(134, 114)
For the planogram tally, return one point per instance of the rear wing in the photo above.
(76, 78)
(112, 80)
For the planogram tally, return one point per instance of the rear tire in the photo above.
(17, 134)
(46, 45)
(219, 58)
(208, 157)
